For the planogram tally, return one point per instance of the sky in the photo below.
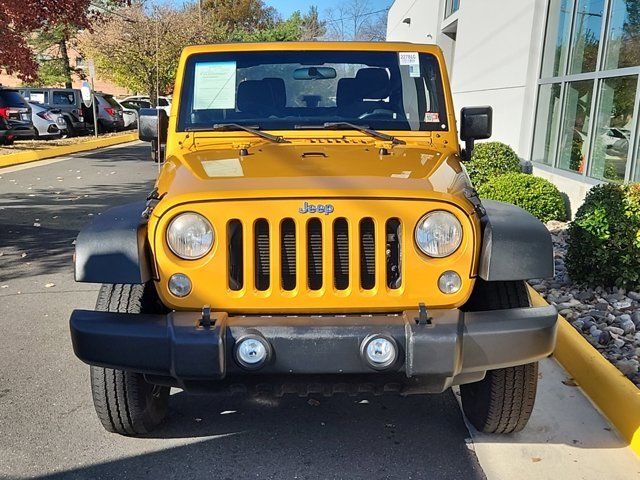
(287, 7)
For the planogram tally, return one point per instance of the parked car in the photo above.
(67, 100)
(17, 112)
(6, 134)
(110, 114)
(135, 104)
(130, 116)
(164, 103)
(49, 122)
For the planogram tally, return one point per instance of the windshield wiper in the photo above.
(352, 126)
(231, 127)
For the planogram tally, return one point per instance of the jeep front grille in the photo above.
(347, 269)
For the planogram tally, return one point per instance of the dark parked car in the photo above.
(17, 113)
(110, 114)
(6, 134)
(67, 100)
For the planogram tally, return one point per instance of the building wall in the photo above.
(101, 85)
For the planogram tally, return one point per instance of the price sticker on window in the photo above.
(412, 60)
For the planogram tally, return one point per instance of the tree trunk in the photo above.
(64, 55)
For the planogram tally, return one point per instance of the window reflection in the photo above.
(575, 127)
(623, 35)
(586, 36)
(557, 38)
(547, 118)
(615, 119)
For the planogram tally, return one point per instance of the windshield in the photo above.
(287, 90)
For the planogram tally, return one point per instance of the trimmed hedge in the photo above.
(490, 160)
(604, 238)
(534, 194)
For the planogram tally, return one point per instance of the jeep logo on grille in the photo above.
(326, 209)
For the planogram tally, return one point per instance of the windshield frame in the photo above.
(439, 94)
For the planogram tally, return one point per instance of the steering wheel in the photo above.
(378, 113)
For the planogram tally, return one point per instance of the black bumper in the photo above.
(454, 348)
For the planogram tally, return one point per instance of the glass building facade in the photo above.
(586, 120)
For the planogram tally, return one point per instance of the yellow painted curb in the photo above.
(35, 155)
(613, 393)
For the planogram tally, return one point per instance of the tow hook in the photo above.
(205, 320)
(423, 317)
(152, 200)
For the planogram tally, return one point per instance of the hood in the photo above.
(312, 170)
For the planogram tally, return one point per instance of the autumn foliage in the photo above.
(19, 18)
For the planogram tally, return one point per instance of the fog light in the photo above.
(252, 351)
(449, 282)
(180, 285)
(380, 352)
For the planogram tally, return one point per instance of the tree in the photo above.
(248, 16)
(19, 19)
(139, 48)
(356, 20)
(312, 27)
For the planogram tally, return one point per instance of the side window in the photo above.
(162, 102)
(64, 98)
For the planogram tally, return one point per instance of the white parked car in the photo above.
(144, 101)
(49, 122)
(129, 115)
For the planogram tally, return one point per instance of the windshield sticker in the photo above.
(432, 117)
(412, 59)
(214, 85)
(226, 167)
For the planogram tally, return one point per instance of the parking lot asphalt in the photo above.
(48, 428)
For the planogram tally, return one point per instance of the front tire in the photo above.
(124, 402)
(503, 401)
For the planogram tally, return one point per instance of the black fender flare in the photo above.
(515, 244)
(113, 248)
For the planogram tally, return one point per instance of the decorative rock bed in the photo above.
(609, 319)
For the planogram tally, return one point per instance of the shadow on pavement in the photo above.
(45, 225)
(339, 437)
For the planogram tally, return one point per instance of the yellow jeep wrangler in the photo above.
(313, 231)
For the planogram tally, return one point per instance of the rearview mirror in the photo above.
(153, 125)
(314, 73)
(475, 124)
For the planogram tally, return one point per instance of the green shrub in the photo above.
(490, 160)
(536, 195)
(604, 238)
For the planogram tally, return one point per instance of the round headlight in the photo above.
(190, 236)
(438, 234)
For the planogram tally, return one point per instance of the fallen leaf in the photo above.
(570, 382)
(536, 459)
(49, 285)
(4, 286)
(363, 401)
(24, 254)
(313, 402)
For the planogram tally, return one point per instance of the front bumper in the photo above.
(456, 347)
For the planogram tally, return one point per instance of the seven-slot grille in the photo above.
(302, 256)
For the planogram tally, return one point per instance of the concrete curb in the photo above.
(609, 390)
(35, 155)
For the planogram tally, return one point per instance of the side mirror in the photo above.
(153, 125)
(476, 124)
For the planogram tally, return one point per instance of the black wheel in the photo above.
(124, 401)
(71, 132)
(503, 401)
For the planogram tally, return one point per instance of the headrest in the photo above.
(278, 90)
(373, 83)
(346, 93)
(254, 97)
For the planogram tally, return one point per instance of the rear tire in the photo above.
(503, 401)
(125, 403)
